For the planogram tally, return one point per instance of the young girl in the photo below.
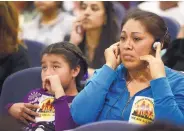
(48, 108)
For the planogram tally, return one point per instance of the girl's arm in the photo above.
(63, 118)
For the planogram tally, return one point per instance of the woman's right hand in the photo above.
(77, 34)
(112, 56)
(23, 112)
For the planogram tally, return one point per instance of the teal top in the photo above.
(106, 97)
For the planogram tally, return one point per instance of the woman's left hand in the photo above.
(155, 64)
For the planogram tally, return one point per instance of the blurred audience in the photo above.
(95, 30)
(72, 7)
(170, 9)
(120, 12)
(51, 25)
(181, 33)
(174, 56)
(26, 11)
(13, 55)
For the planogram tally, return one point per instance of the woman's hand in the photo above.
(77, 34)
(23, 112)
(53, 84)
(155, 64)
(112, 56)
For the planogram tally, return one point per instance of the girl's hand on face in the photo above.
(112, 56)
(53, 85)
(77, 34)
(155, 64)
(23, 112)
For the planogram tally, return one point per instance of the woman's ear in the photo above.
(75, 71)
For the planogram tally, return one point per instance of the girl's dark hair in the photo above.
(72, 55)
(153, 24)
(109, 35)
(9, 26)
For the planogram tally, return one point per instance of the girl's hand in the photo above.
(53, 84)
(23, 112)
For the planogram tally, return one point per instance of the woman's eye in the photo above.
(137, 39)
(122, 38)
(95, 8)
(83, 7)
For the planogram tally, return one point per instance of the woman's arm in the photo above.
(87, 105)
(169, 104)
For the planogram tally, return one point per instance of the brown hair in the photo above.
(8, 27)
(153, 24)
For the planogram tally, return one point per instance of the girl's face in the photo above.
(93, 13)
(53, 64)
(135, 41)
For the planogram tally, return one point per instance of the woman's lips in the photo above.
(128, 57)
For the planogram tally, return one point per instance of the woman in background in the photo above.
(13, 55)
(95, 30)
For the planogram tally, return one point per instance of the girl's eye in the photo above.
(55, 67)
(44, 67)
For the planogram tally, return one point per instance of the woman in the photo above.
(13, 56)
(95, 30)
(50, 26)
(140, 89)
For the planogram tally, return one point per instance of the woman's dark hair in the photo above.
(153, 24)
(109, 35)
(9, 27)
(72, 54)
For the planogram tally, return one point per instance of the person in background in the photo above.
(172, 9)
(95, 30)
(13, 54)
(51, 24)
(27, 11)
(134, 85)
(63, 68)
(181, 33)
(174, 56)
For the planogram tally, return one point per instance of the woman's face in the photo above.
(45, 5)
(135, 41)
(93, 13)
